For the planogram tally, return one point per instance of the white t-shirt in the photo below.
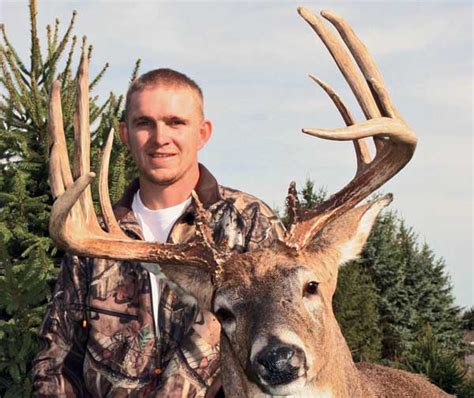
(156, 226)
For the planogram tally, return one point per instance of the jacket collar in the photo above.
(207, 190)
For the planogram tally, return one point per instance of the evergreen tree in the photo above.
(428, 357)
(434, 302)
(28, 259)
(468, 319)
(355, 306)
(382, 259)
(309, 197)
(413, 287)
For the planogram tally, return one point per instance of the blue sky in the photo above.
(252, 60)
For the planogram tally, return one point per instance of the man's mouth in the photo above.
(161, 155)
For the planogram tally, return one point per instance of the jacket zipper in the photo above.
(112, 313)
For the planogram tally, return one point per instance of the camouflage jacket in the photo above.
(99, 336)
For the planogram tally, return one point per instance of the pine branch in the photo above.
(66, 74)
(135, 70)
(36, 61)
(83, 46)
(36, 107)
(118, 106)
(56, 32)
(101, 110)
(50, 65)
(8, 82)
(49, 40)
(12, 50)
(98, 77)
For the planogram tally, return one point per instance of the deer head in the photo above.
(279, 333)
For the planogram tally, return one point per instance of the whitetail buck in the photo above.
(279, 334)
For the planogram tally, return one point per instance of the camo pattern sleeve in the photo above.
(61, 334)
(257, 222)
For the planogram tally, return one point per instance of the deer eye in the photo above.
(223, 315)
(311, 287)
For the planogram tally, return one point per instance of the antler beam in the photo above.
(395, 143)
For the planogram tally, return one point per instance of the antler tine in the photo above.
(361, 55)
(293, 206)
(81, 160)
(104, 197)
(395, 142)
(202, 221)
(61, 177)
(73, 224)
(381, 127)
(343, 60)
(360, 146)
(204, 232)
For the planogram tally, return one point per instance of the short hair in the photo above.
(156, 77)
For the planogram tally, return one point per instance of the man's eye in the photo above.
(176, 122)
(143, 123)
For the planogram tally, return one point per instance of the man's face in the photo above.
(164, 131)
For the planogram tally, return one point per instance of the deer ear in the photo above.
(347, 234)
(186, 281)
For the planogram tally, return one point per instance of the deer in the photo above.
(279, 335)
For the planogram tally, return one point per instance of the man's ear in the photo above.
(347, 234)
(204, 133)
(123, 133)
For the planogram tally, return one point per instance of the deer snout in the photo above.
(279, 364)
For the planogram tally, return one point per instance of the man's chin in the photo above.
(161, 179)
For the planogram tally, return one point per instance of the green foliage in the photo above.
(28, 259)
(430, 358)
(466, 390)
(355, 307)
(382, 259)
(468, 319)
(309, 197)
(413, 287)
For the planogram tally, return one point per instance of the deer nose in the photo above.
(277, 359)
(280, 364)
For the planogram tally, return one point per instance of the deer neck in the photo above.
(339, 376)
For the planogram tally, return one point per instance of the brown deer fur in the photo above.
(264, 290)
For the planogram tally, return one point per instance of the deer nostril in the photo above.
(282, 355)
(279, 364)
(277, 359)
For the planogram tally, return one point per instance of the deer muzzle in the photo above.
(279, 364)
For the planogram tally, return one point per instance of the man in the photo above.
(116, 329)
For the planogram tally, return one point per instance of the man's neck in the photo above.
(155, 196)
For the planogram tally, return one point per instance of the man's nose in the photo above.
(161, 134)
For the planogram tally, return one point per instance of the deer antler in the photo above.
(394, 141)
(73, 223)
